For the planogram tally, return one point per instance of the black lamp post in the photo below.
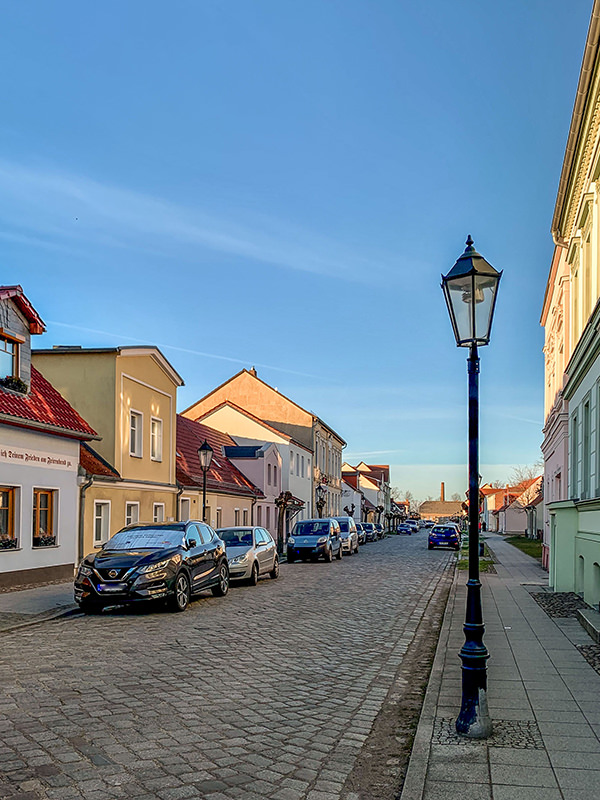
(205, 454)
(470, 291)
(320, 493)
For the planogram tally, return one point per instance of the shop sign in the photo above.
(36, 458)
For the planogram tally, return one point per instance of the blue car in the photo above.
(315, 538)
(443, 536)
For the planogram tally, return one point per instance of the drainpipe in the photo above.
(252, 504)
(81, 538)
(178, 495)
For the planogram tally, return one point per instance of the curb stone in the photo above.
(65, 611)
(414, 782)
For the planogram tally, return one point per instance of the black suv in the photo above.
(167, 561)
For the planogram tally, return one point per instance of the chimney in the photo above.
(252, 371)
(442, 492)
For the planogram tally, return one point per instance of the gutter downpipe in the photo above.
(81, 538)
(178, 495)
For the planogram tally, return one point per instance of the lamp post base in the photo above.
(474, 720)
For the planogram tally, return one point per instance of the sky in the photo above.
(281, 183)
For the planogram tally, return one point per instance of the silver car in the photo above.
(251, 553)
(349, 534)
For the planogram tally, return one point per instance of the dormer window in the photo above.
(9, 357)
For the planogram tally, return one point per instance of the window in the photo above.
(8, 540)
(219, 517)
(268, 516)
(245, 516)
(302, 466)
(9, 358)
(274, 476)
(132, 513)
(43, 518)
(135, 434)
(259, 515)
(586, 454)
(291, 462)
(184, 509)
(158, 512)
(156, 439)
(574, 455)
(101, 521)
(236, 516)
(205, 533)
(297, 463)
(269, 474)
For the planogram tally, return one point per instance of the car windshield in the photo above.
(236, 538)
(443, 530)
(145, 539)
(344, 526)
(311, 528)
(368, 526)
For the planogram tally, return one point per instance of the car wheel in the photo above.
(180, 599)
(339, 553)
(356, 548)
(430, 547)
(221, 589)
(291, 559)
(89, 607)
(253, 579)
(327, 555)
(275, 571)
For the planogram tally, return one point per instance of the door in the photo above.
(265, 550)
(213, 552)
(197, 558)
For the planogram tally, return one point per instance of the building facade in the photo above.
(130, 393)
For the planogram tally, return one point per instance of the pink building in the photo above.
(555, 320)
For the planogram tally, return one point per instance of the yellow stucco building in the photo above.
(129, 395)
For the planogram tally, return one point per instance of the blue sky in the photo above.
(281, 183)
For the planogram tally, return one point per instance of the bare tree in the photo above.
(520, 476)
(456, 497)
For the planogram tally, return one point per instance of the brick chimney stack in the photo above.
(442, 492)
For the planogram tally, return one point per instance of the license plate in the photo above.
(112, 587)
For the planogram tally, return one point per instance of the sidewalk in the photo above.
(544, 700)
(28, 606)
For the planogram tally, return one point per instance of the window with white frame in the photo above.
(268, 517)
(259, 515)
(101, 521)
(269, 474)
(275, 476)
(158, 512)
(297, 463)
(9, 357)
(135, 433)
(132, 513)
(156, 439)
(302, 466)
(236, 516)
(8, 536)
(219, 517)
(184, 509)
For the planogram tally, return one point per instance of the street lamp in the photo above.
(320, 492)
(470, 290)
(205, 454)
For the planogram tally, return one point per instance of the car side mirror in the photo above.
(192, 543)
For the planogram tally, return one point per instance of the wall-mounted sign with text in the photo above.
(36, 458)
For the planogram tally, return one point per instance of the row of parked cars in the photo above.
(173, 561)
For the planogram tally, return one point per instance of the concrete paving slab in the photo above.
(518, 756)
(525, 793)
(518, 775)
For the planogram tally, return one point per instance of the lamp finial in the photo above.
(469, 242)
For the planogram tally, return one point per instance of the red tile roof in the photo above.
(222, 476)
(15, 293)
(94, 464)
(43, 408)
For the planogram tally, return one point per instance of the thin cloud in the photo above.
(163, 346)
(52, 208)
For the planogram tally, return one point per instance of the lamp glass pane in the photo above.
(205, 454)
(460, 293)
(485, 292)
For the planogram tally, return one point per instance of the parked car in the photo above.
(362, 536)
(404, 528)
(370, 531)
(169, 561)
(414, 525)
(349, 534)
(380, 530)
(443, 536)
(251, 552)
(313, 538)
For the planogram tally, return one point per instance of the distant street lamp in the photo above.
(470, 290)
(205, 454)
(320, 492)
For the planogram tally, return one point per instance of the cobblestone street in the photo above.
(269, 692)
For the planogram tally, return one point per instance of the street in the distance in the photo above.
(268, 692)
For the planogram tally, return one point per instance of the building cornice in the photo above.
(585, 353)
